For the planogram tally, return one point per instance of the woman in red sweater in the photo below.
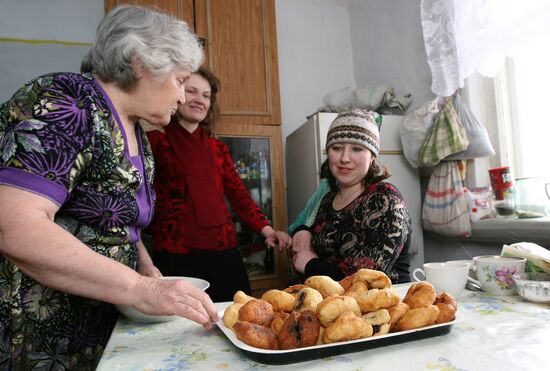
(193, 234)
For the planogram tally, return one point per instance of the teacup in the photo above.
(450, 277)
(472, 270)
(494, 273)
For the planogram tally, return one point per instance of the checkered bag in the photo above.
(446, 137)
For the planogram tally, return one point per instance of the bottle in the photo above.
(262, 163)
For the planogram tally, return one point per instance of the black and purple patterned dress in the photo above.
(373, 232)
(61, 138)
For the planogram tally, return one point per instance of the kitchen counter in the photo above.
(494, 333)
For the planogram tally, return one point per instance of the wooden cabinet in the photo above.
(183, 9)
(239, 38)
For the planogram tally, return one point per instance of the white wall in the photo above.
(58, 20)
(388, 47)
(315, 55)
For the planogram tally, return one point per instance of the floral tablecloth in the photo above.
(495, 333)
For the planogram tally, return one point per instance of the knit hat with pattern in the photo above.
(356, 126)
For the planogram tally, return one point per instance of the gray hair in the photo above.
(133, 35)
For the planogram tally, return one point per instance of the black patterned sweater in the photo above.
(373, 231)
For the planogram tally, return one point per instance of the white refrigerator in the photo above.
(305, 152)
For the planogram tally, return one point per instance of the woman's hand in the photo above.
(175, 297)
(145, 264)
(275, 238)
(301, 258)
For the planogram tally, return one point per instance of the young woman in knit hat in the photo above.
(362, 221)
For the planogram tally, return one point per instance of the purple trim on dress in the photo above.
(33, 183)
(143, 203)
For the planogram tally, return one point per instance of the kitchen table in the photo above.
(494, 333)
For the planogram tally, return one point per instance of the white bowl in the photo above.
(137, 316)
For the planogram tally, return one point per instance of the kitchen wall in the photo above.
(48, 39)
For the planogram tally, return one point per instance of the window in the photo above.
(524, 110)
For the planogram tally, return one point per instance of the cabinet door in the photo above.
(241, 48)
(256, 152)
(183, 9)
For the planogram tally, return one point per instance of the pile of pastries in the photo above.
(324, 311)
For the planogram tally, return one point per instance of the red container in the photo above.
(501, 180)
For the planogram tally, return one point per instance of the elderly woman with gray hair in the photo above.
(76, 175)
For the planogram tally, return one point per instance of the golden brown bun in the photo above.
(375, 279)
(417, 317)
(256, 335)
(256, 311)
(231, 314)
(300, 329)
(346, 282)
(379, 320)
(357, 289)
(280, 300)
(278, 319)
(294, 289)
(241, 297)
(325, 285)
(307, 299)
(419, 295)
(330, 308)
(396, 312)
(447, 307)
(375, 299)
(347, 326)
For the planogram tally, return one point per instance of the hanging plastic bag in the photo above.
(480, 144)
(446, 137)
(414, 129)
(446, 207)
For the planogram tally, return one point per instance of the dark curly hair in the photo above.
(214, 111)
(376, 173)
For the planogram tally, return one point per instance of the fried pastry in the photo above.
(347, 326)
(307, 299)
(280, 300)
(417, 317)
(241, 297)
(300, 329)
(419, 295)
(357, 289)
(294, 289)
(375, 299)
(379, 320)
(330, 308)
(396, 312)
(375, 279)
(256, 335)
(447, 307)
(278, 320)
(231, 314)
(256, 311)
(325, 285)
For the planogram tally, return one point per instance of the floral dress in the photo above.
(373, 232)
(61, 138)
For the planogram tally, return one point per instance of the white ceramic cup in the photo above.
(449, 277)
(494, 273)
(472, 270)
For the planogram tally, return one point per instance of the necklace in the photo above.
(340, 201)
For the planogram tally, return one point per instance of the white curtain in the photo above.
(465, 36)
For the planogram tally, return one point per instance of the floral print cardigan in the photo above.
(60, 137)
